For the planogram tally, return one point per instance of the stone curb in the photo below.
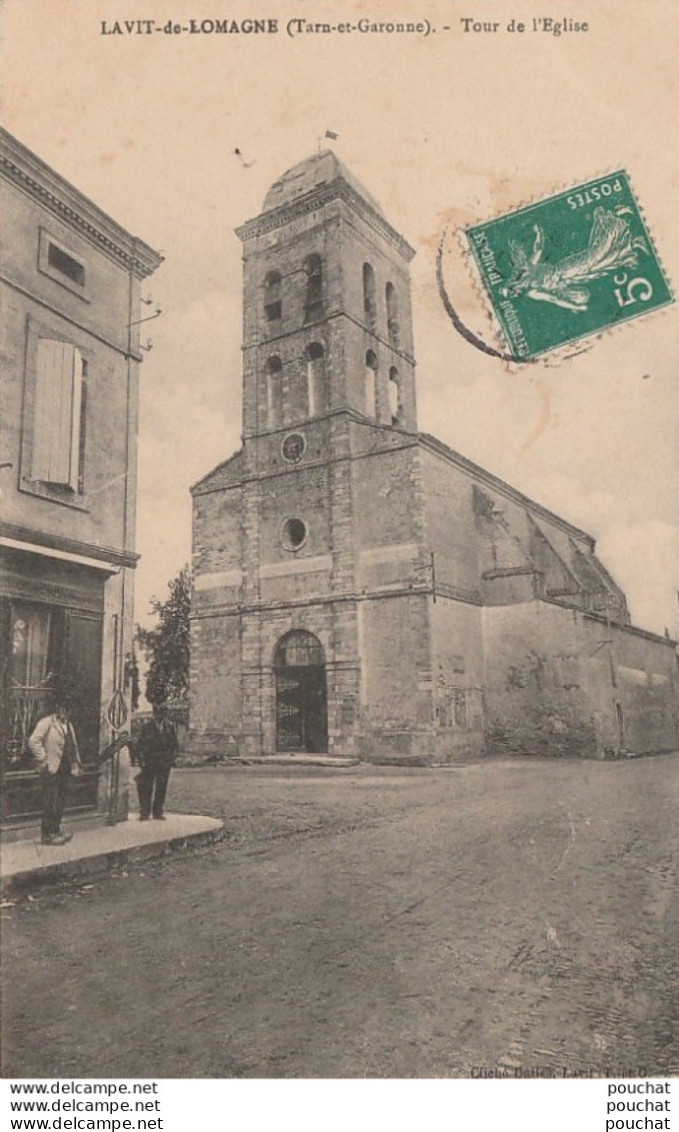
(297, 760)
(101, 864)
(329, 762)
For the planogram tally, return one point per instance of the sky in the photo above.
(445, 129)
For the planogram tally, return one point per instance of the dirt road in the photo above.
(496, 918)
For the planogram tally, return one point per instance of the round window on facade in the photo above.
(294, 534)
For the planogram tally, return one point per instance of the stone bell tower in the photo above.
(327, 321)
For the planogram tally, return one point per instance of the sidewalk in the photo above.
(95, 851)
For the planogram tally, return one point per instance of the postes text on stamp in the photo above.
(569, 266)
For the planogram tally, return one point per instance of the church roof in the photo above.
(320, 169)
(482, 475)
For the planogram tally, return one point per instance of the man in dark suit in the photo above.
(156, 750)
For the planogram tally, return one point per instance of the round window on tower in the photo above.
(294, 534)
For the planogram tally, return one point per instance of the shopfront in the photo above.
(51, 621)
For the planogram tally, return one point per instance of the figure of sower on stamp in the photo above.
(54, 747)
(155, 751)
(566, 267)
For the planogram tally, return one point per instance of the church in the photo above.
(363, 591)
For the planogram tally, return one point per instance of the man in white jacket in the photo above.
(54, 747)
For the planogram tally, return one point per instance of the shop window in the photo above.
(30, 642)
(313, 300)
(59, 415)
(393, 329)
(371, 383)
(369, 296)
(43, 644)
(273, 305)
(317, 391)
(35, 652)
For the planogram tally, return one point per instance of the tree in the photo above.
(166, 647)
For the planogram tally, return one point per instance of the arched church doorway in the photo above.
(301, 693)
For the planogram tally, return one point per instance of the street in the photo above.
(501, 917)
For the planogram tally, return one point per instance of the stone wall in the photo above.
(396, 679)
(457, 669)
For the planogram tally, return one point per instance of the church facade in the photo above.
(362, 590)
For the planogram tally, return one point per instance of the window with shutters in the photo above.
(58, 450)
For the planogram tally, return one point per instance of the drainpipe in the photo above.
(117, 710)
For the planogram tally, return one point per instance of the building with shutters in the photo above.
(361, 589)
(71, 280)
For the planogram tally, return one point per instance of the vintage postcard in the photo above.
(339, 580)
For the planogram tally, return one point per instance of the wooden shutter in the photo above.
(84, 635)
(75, 421)
(56, 434)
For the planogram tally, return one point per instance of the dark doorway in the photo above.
(301, 694)
(621, 725)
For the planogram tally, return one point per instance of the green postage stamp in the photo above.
(569, 266)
